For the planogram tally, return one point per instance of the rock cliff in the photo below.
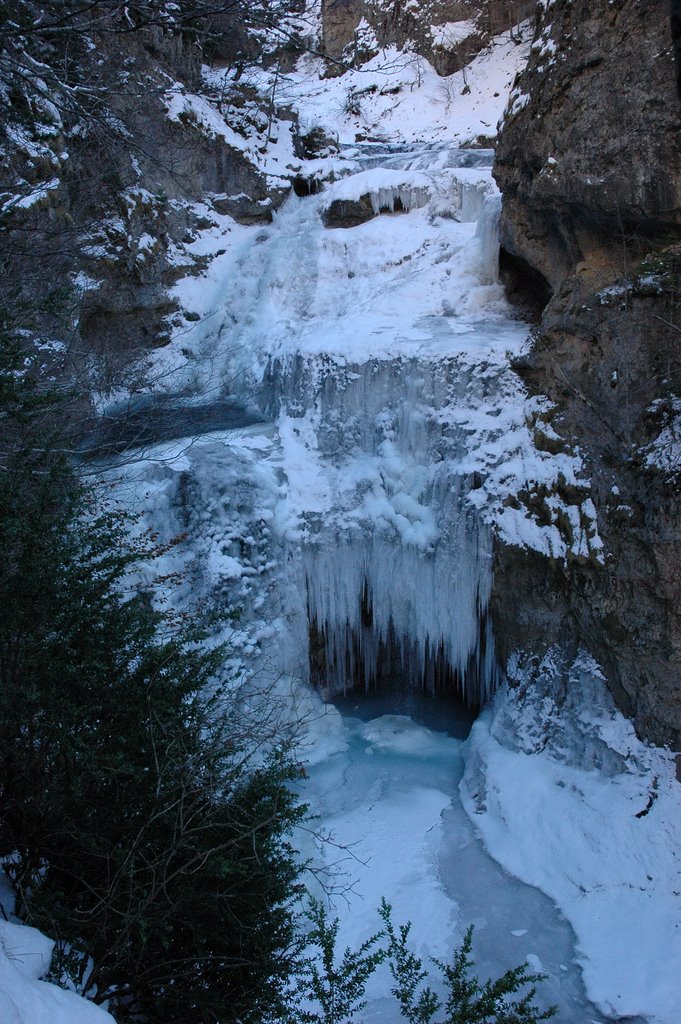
(589, 163)
(448, 33)
(115, 153)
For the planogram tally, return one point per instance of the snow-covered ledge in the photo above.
(568, 799)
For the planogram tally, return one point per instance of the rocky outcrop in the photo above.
(590, 155)
(448, 33)
(348, 213)
(114, 157)
(589, 163)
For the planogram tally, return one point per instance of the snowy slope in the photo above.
(399, 97)
(568, 799)
(25, 956)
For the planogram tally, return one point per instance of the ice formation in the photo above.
(549, 763)
(487, 232)
(380, 356)
(396, 562)
(387, 190)
(458, 189)
(353, 534)
(394, 607)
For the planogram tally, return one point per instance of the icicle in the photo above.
(402, 197)
(487, 232)
(473, 195)
(396, 562)
(361, 592)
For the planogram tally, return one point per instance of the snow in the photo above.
(267, 144)
(557, 784)
(458, 193)
(401, 97)
(365, 37)
(37, 194)
(383, 186)
(664, 452)
(183, 105)
(25, 955)
(389, 798)
(451, 34)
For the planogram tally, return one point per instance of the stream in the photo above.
(392, 797)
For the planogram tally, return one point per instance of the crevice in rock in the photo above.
(304, 187)
(526, 287)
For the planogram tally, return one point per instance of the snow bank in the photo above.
(400, 96)
(25, 955)
(185, 106)
(569, 800)
(664, 453)
(451, 34)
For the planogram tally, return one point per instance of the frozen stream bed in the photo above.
(392, 796)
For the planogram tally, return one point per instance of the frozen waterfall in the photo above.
(379, 353)
(344, 537)
(394, 560)
(397, 564)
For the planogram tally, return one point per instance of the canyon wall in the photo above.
(589, 164)
(113, 159)
(115, 165)
(448, 33)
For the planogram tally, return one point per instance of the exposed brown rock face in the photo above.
(595, 155)
(589, 162)
(110, 194)
(348, 213)
(396, 23)
(340, 18)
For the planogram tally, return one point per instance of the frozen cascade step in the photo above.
(397, 556)
(381, 355)
(392, 559)
(356, 198)
(416, 157)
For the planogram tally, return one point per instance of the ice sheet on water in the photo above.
(383, 798)
(399, 734)
(393, 794)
